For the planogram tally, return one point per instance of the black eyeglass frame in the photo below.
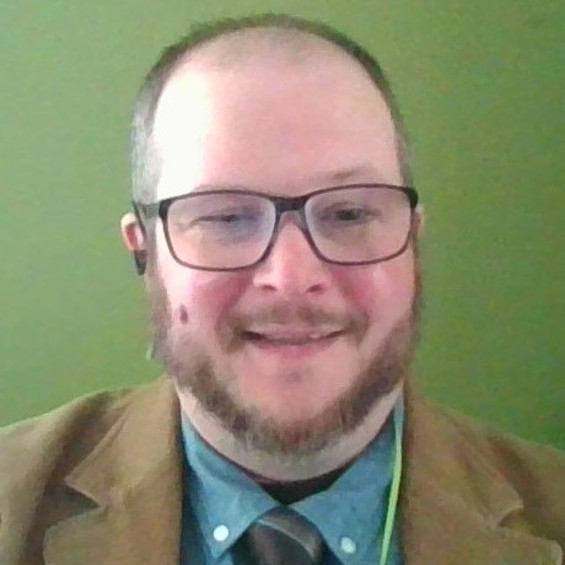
(282, 204)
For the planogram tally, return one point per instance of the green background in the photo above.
(481, 86)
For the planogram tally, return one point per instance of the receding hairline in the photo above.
(249, 46)
(229, 44)
(268, 49)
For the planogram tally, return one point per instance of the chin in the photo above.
(300, 412)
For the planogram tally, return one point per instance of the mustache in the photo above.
(307, 316)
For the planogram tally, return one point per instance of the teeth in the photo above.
(290, 339)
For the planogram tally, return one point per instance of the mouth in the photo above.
(289, 338)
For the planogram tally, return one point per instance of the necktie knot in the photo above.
(280, 537)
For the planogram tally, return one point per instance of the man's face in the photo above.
(281, 129)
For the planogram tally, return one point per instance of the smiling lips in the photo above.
(282, 336)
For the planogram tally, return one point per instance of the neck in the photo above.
(268, 466)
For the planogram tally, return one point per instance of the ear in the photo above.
(132, 234)
(419, 221)
(134, 240)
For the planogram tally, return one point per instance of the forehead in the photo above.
(274, 121)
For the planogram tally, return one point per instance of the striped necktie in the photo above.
(280, 537)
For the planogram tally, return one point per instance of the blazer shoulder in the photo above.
(516, 458)
(36, 447)
(535, 471)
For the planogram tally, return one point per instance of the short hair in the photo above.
(145, 163)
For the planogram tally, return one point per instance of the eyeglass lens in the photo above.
(228, 230)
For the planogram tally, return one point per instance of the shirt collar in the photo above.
(225, 501)
(352, 511)
(223, 498)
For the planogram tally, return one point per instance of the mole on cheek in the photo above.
(183, 314)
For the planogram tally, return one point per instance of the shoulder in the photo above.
(34, 449)
(58, 465)
(38, 441)
(524, 463)
(482, 462)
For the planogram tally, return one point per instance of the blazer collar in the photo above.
(129, 489)
(456, 507)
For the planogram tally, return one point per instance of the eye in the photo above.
(351, 214)
(348, 214)
(225, 218)
(220, 219)
(229, 226)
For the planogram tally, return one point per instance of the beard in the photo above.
(193, 370)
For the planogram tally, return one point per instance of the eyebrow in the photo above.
(361, 173)
(364, 172)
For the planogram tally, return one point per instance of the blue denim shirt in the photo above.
(221, 502)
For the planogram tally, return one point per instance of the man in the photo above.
(276, 230)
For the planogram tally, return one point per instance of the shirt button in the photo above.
(221, 533)
(347, 545)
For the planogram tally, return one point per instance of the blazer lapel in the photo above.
(456, 507)
(126, 494)
(123, 500)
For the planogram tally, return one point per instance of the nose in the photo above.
(292, 268)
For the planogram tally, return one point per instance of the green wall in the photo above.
(481, 85)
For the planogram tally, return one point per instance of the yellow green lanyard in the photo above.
(394, 487)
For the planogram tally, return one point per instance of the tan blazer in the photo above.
(98, 482)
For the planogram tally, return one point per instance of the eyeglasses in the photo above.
(227, 230)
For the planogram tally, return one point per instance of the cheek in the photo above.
(382, 290)
(198, 299)
(203, 300)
